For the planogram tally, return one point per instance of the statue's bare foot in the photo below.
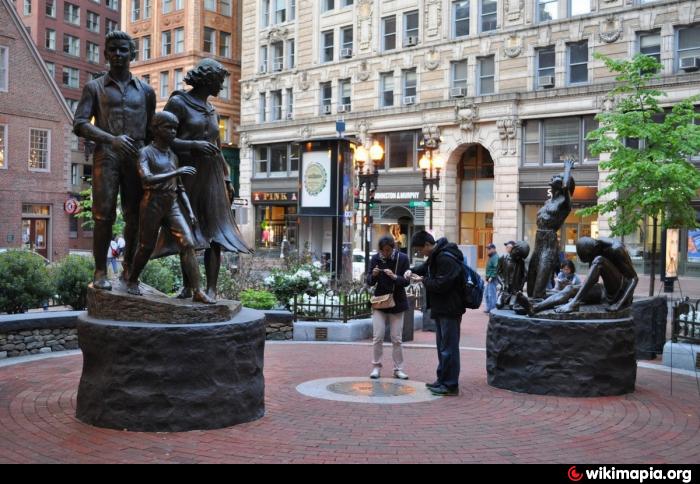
(133, 288)
(524, 301)
(186, 293)
(211, 293)
(566, 308)
(202, 297)
(613, 309)
(100, 281)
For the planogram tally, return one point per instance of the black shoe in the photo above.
(434, 384)
(443, 391)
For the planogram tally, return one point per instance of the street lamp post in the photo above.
(366, 162)
(431, 163)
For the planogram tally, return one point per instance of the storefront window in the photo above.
(274, 223)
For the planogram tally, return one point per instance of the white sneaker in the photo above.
(375, 374)
(400, 375)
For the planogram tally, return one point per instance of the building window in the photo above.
(262, 107)
(135, 10)
(275, 105)
(327, 5)
(225, 88)
(71, 45)
(146, 78)
(261, 158)
(224, 44)
(27, 8)
(280, 11)
(263, 59)
(71, 77)
(486, 75)
(39, 149)
(164, 88)
(650, 44)
(344, 94)
(400, 149)
(110, 26)
(410, 29)
(146, 44)
(180, 83)
(209, 40)
(75, 174)
(346, 42)
(387, 89)
(147, 9)
(389, 33)
(51, 8)
(166, 43)
(554, 140)
(346, 3)
(489, 15)
(112, 4)
(265, 13)
(225, 129)
(4, 68)
(547, 10)
(291, 54)
(93, 52)
(72, 104)
(459, 76)
(50, 66)
(292, 9)
(280, 159)
(579, 7)
(327, 47)
(3, 146)
(93, 22)
(277, 56)
(225, 7)
(290, 103)
(326, 92)
(545, 67)
(578, 62)
(50, 39)
(688, 44)
(410, 86)
(167, 6)
(460, 18)
(179, 40)
(210, 5)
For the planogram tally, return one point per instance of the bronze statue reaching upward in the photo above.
(545, 258)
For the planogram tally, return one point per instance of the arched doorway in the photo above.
(475, 169)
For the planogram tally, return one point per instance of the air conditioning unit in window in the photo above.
(290, 116)
(344, 108)
(411, 40)
(458, 92)
(546, 81)
(690, 64)
(408, 100)
(263, 68)
(278, 66)
(346, 53)
(326, 109)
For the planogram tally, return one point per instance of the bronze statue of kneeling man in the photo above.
(610, 261)
(160, 206)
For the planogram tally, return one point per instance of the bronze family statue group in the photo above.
(608, 259)
(168, 168)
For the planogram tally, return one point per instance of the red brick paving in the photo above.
(483, 424)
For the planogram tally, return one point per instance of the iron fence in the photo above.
(333, 306)
(686, 321)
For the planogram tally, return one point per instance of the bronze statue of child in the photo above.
(512, 272)
(161, 206)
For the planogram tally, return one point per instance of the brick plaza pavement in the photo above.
(483, 424)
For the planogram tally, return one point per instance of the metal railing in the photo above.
(333, 306)
(686, 321)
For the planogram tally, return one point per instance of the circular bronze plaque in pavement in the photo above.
(364, 390)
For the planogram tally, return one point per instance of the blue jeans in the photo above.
(490, 295)
(447, 342)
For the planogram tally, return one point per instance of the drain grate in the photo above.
(321, 334)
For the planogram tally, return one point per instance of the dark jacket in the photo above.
(385, 284)
(443, 280)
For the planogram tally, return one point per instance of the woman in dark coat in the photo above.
(209, 191)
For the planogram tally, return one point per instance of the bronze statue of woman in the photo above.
(550, 218)
(209, 191)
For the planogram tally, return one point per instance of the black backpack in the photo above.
(473, 288)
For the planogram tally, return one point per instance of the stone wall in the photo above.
(32, 342)
(279, 325)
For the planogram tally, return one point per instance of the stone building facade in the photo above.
(511, 87)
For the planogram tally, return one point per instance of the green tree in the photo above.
(655, 180)
(85, 213)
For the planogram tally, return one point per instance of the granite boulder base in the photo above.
(572, 357)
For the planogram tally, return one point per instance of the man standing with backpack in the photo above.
(443, 277)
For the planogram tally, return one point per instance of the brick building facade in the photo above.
(35, 146)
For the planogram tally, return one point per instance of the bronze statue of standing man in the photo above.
(122, 107)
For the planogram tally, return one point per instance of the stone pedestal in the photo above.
(151, 377)
(650, 315)
(573, 357)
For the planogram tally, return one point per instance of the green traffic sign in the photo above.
(419, 203)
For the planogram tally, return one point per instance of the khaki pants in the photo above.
(379, 323)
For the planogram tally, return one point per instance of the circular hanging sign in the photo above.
(315, 179)
(71, 206)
